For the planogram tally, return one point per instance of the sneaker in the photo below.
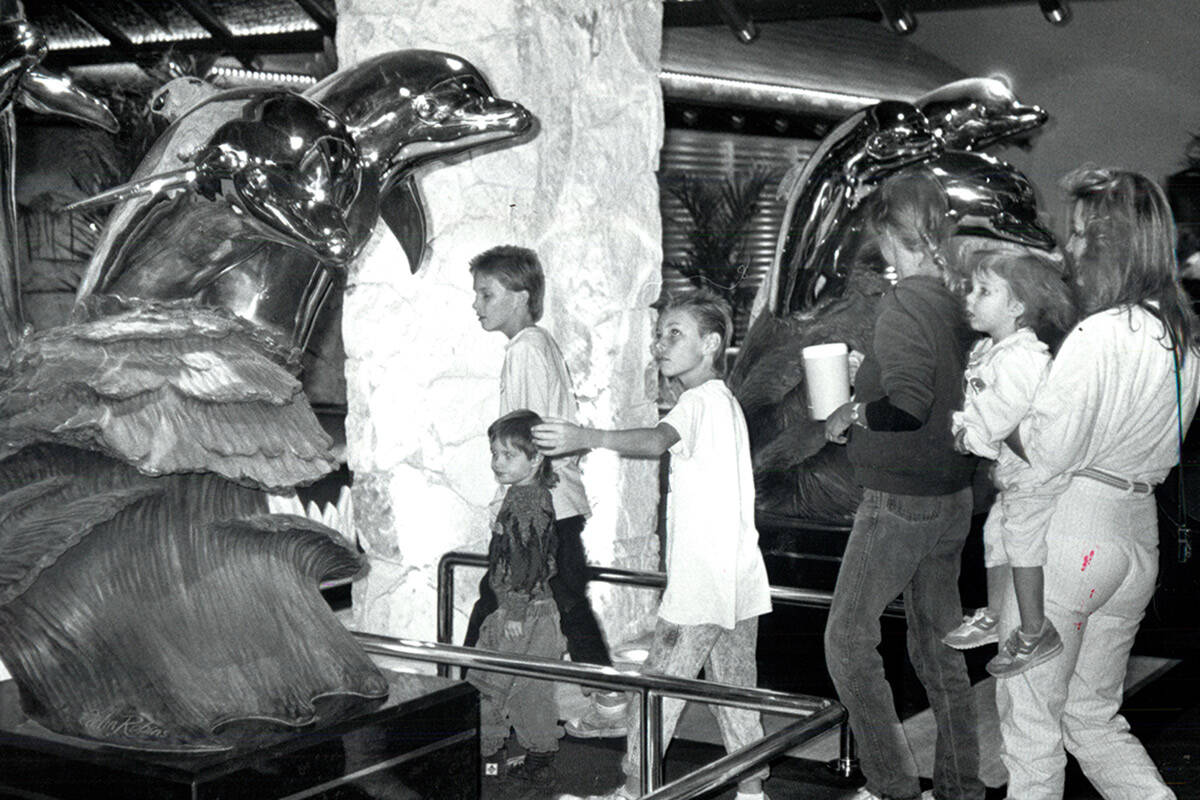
(536, 768)
(620, 793)
(599, 722)
(976, 630)
(1020, 652)
(863, 794)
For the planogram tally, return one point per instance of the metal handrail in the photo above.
(818, 714)
(787, 595)
(810, 598)
(729, 767)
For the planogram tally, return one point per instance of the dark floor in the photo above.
(1164, 714)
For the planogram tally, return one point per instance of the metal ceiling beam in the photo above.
(202, 12)
(294, 42)
(321, 15)
(155, 12)
(103, 26)
(208, 19)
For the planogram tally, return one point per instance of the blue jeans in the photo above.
(910, 545)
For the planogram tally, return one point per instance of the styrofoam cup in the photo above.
(827, 376)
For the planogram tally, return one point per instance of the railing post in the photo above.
(445, 608)
(652, 740)
(847, 761)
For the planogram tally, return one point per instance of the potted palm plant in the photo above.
(718, 214)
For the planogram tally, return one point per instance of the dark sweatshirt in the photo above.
(921, 342)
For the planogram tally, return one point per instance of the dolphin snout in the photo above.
(513, 116)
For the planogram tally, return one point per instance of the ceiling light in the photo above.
(737, 20)
(897, 15)
(1055, 11)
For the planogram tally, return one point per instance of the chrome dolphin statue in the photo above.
(865, 147)
(282, 246)
(148, 597)
(22, 47)
(243, 168)
(975, 113)
(828, 273)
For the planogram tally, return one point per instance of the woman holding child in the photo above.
(1109, 418)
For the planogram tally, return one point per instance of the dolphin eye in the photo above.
(423, 107)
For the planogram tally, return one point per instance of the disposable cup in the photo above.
(827, 376)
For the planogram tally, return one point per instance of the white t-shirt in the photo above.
(715, 571)
(534, 376)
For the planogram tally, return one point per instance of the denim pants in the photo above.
(526, 705)
(1100, 575)
(910, 545)
(585, 641)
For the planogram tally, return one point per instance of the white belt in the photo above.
(1133, 487)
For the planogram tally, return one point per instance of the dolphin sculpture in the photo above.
(22, 47)
(148, 597)
(975, 113)
(866, 146)
(828, 273)
(395, 113)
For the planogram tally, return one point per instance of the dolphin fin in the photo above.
(145, 187)
(57, 96)
(404, 212)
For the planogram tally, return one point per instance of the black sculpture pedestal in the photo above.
(423, 742)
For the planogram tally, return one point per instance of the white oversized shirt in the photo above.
(534, 376)
(715, 571)
(1109, 401)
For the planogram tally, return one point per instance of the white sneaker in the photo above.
(863, 794)
(599, 722)
(976, 630)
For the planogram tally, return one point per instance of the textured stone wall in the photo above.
(422, 376)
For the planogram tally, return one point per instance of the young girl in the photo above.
(716, 580)
(1023, 304)
(520, 566)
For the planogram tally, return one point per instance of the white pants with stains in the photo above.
(1100, 573)
(727, 656)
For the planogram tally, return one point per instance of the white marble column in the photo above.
(421, 374)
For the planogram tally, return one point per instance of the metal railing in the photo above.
(816, 714)
(786, 595)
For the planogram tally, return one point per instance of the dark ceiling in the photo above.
(82, 32)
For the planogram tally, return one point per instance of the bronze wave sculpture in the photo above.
(147, 597)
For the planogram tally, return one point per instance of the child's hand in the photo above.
(838, 422)
(960, 441)
(556, 436)
(513, 629)
(854, 361)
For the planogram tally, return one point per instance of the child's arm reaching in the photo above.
(555, 437)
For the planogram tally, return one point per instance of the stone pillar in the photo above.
(422, 377)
